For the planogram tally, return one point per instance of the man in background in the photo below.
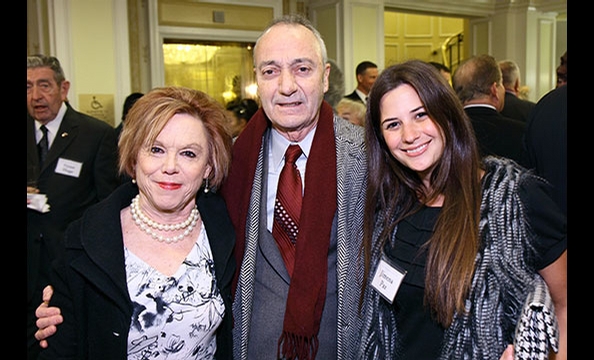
(366, 73)
(72, 157)
(546, 137)
(130, 100)
(241, 111)
(514, 106)
(478, 83)
(335, 84)
(445, 71)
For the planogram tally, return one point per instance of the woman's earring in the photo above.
(206, 189)
(133, 181)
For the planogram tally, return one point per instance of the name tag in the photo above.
(68, 167)
(387, 278)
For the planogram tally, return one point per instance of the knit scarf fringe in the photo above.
(293, 347)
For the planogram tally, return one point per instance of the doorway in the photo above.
(224, 70)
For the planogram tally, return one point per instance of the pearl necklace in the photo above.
(145, 224)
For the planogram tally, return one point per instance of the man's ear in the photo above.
(517, 86)
(493, 90)
(359, 78)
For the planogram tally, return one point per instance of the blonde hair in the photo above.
(351, 110)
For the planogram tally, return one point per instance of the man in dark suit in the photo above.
(366, 73)
(515, 107)
(128, 102)
(546, 142)
(78, 170)
(478, 83)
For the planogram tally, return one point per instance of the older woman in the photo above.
(146, 273)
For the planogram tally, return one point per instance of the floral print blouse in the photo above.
(174, 317)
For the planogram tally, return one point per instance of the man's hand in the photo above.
(47, 318)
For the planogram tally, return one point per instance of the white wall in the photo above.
(90, 38)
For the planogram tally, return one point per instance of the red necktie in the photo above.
(287, 207)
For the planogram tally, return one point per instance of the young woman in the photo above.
(453, 243)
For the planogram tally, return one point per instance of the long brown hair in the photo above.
(395, 191)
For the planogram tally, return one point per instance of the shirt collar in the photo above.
(362, 96)
(53, 125)
(279, 145)
(480, 105)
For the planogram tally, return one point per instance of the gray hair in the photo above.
(38, 60)
(474, 76)
(510, 72)
(297, 19)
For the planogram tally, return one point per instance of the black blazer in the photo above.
(517, 108)
(546, 142)
(497, 134)
(90, 280)
(81, 139)
(354, 96)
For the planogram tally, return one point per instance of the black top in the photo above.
(546, 142)
(421, 336)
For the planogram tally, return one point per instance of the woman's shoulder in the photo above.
(349, 132)
(213, 211)
(503, 170)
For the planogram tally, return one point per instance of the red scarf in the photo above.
(307, 291)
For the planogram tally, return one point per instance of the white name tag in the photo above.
(387, 278)
(68, 167)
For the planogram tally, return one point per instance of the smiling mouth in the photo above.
(417, 149)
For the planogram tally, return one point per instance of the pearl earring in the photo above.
(206, 189)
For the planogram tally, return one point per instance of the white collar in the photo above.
(279, 145)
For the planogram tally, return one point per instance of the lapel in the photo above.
(33, 170)
(32, 156)
(267, 244)
(221, 236)
(66, 134)
(104, 265)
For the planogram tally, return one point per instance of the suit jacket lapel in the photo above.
(66, 135)
(267, 244)
(104, 246)
(32, 155)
